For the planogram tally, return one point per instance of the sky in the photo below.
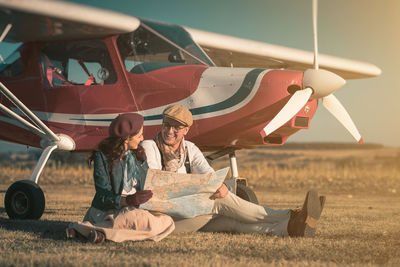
(364, 30)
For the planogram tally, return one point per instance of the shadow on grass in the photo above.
(45, 228)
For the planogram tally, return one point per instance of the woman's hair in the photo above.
(112, 147)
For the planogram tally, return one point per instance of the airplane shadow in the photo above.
(45, 228)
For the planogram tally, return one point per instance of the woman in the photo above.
(119, 174)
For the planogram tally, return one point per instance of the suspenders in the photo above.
(187, 162)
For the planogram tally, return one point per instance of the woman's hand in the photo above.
(138, 198)
(221, 192)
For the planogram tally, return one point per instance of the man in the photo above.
(171, 152)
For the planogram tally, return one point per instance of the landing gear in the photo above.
(240, 184)
(242, 190)
(24, 200)
(246, 193)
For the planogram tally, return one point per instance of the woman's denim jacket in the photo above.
(109, 189)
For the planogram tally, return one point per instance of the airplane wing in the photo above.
(237, 52)
(34, 20)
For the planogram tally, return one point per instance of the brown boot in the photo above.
(303, 222)
(96, 237)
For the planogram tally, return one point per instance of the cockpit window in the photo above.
(81, 63)
(11, 66)
(161, 43)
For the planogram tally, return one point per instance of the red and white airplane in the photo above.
(79, 67)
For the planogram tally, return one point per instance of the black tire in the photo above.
(246, 193)
(24, 200)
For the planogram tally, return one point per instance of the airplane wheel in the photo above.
(246, 193)
(24, 200)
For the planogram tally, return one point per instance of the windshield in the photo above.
(158, 42)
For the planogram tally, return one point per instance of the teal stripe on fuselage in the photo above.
(239, 96)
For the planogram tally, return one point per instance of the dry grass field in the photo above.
(360, 224)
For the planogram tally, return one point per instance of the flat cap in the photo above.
(180, 114)
(125, 124)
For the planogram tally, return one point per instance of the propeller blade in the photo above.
(332, 104)
(315, 21)
(295, 103)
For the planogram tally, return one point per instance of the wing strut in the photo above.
(49, 135)
(5, 32)
(2, 36)
(63, 142)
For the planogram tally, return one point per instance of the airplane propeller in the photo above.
(317, 83)
(332, 104)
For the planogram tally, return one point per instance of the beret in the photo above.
(125, 124)
(180, 114)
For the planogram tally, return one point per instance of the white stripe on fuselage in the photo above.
(216, 85)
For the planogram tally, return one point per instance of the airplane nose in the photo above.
(322, 82)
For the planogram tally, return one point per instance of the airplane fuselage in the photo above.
(230, 106)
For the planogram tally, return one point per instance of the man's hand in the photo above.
(221, 192)
(138, 198)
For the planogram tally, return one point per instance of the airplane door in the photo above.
(82, 79)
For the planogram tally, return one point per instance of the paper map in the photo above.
(182, 195)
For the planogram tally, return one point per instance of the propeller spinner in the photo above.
(317, 83)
